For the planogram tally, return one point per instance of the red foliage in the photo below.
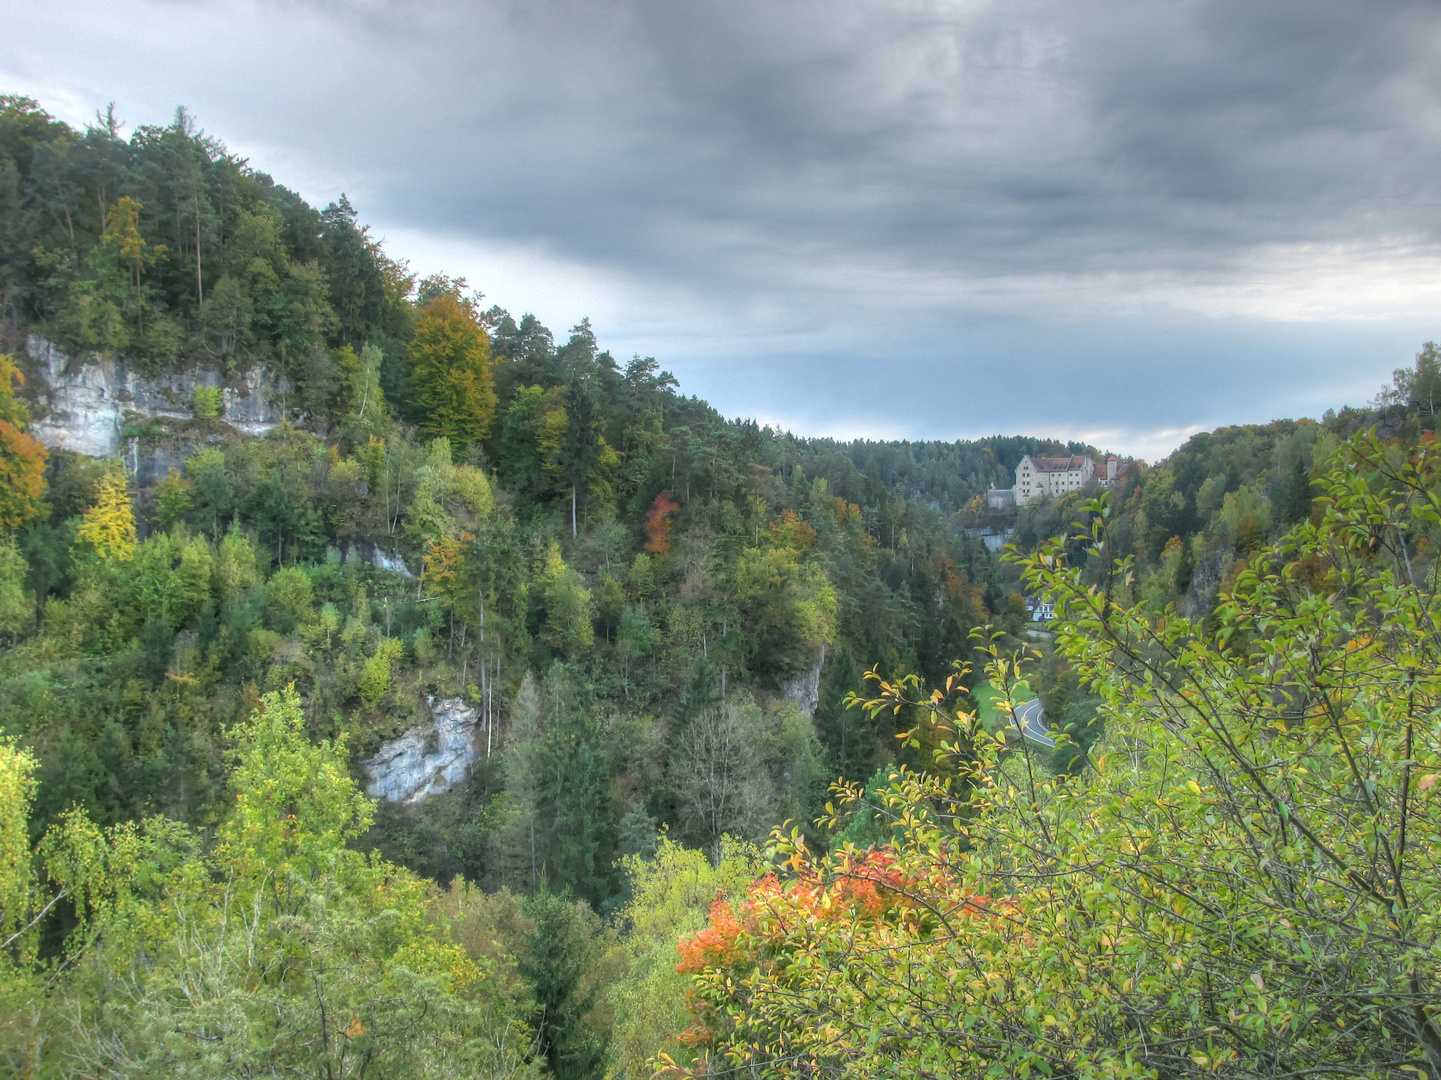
(860, 890)
(658, 522)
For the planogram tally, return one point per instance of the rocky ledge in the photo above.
(428, 759)
(86, 404)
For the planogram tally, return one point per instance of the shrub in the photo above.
(207, 402)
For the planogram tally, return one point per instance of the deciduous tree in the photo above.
(1245, 885)
(22, 458)
(108, 527)
(451, 380)
(658, 521)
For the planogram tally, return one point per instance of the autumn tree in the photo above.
(22, 458)
(1244, 885)
(658, 522)
(671, 893)
(109, 526)
(443, 576)
(451, 382)
(122, 238)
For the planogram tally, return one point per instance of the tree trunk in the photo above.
(199, 285)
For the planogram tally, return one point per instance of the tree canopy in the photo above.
(597, 651)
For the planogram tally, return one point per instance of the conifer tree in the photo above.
(577, 788)
(522, 783)
(560, 949)
(581, 446)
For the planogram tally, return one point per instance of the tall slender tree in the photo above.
(582, 443)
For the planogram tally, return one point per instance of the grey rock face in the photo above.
(428, 759)
(1205, 580)
(805, 688)
(372, 554)
(257, 406)
(84, 408)
(85, 405)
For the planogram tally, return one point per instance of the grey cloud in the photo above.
(975, 139)
(899, 189)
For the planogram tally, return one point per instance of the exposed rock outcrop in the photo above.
(428, 759)
(1205, 581)
(373, 554)
(805, 688)
(85, 406)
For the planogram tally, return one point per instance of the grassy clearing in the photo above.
(992, 709)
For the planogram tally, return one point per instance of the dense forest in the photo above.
(693, 824)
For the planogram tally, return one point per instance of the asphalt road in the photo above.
(1030, 719)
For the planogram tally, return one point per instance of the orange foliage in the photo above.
(966, 600)
(790, 531)
(22, 459)
(451, 371)
(846, 514)
(22, 477)
(442, 561)
(658, 522)
(862, 893)
(866, 885)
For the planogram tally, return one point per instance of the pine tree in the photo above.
(560, 948)
(521, 768)
(581, 447)
(577, 787)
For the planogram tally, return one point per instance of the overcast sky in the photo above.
(1120, 221)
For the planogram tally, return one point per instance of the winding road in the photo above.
(1029, 718)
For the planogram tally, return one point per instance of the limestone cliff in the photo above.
(86, 404)
(428, 759)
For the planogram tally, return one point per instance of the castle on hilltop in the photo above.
(1051, 476)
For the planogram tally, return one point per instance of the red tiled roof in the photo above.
(1059, 464)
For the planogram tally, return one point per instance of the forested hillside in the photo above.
(655, 621)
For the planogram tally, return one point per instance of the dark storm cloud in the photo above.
(982, 138)
(1171, 197)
